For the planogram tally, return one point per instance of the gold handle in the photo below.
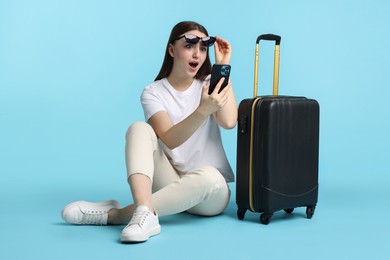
(276, 64)
(276, 70)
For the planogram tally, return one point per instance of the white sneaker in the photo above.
(88, 213)
(142, 225)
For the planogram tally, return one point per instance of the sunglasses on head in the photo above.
(193, 39)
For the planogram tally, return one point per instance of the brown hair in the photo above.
(178, 30)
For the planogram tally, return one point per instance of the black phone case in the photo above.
(217, 72)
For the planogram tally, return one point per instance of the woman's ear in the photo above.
(170, 50)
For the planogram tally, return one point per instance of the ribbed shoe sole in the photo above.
(127, 238)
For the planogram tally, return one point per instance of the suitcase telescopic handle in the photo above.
(277, 39)
(269, 37)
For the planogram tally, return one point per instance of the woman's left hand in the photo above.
(223, 51)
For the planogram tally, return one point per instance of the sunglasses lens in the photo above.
(208, 41)
(193, 39)
(190, 38)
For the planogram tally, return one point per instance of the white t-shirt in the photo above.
(204, 147)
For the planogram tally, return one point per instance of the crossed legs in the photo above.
(157, 185)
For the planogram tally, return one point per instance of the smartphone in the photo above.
(219, 71)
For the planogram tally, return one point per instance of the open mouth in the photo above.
(193, 65)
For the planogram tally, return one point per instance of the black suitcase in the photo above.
(277, 150)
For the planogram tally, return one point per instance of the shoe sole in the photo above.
(112, 203)
(140, 237)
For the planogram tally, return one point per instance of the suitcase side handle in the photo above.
(277, 39)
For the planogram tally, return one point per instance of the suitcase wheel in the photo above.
(241, 213)
(310, 211)
(289, 211)
(265, 218)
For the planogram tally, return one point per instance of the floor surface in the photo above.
(350, 222)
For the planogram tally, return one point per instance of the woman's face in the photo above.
(188, 58)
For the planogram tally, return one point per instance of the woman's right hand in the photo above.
(175, 135)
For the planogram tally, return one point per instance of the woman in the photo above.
(175, 162)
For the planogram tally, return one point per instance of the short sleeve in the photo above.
(151, 103)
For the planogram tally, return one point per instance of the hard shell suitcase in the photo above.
(277, 150)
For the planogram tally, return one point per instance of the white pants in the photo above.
(202, 191)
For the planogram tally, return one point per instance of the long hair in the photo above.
(178, 30)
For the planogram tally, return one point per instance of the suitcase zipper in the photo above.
(251, 202)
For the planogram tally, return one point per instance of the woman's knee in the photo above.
(139, 128)
(214, 205)
(216, 192)
(210, 175)
(141, 144)
(207, 181)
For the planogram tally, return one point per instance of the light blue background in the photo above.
(71, 73)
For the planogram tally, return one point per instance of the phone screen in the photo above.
(217, 72)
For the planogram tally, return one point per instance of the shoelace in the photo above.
(139, 218)
(94, 217)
